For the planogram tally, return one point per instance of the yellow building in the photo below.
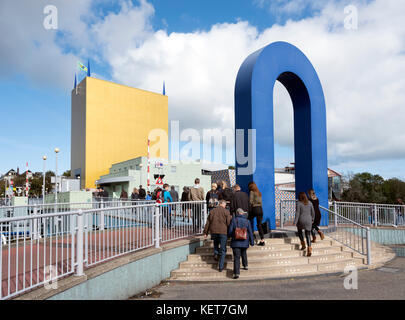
(110, 124)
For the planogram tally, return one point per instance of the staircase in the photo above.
(279, 258)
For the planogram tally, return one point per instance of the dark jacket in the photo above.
(175, 195)
(240, 199)
(240, 221)
(184, 196)
(318, 216)
(142, 193)
(134, 196)
(225, 194)
(218, 221)
(124, 195)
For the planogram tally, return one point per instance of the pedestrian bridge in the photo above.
(86, 248)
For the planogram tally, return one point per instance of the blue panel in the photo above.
(254, 110)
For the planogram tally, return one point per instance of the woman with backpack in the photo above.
(241, 233)
(212, 197)
(304, 218)
(256, 210)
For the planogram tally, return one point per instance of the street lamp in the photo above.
(43, 182)
(56, 174)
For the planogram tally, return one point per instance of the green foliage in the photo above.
(368, 188)
(66, 174)
(35, 183)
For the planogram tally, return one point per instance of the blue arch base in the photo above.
(283, 62)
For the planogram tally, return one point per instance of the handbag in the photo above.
(240, 233)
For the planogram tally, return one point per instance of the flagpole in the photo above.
(148, 166)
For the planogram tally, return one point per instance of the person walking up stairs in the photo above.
(304, 218)
(217, 224)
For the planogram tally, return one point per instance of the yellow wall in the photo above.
(118, 121)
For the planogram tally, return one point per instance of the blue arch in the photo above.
(283, 62)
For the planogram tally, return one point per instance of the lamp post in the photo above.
(56, 174)
(43, 181)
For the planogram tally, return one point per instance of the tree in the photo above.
(67, 173)
(368, 188)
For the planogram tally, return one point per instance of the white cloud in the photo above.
(29, 49)
(361, 70)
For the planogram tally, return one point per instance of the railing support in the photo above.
(335, 209)
(205, 215)
(79, 244)
(157, 227)
(281, 215)
(368, 246)
(34, 224)
(375, 216)
(102, 223)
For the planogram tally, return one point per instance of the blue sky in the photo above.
(120, 38)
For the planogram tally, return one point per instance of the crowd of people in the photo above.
(232, 215)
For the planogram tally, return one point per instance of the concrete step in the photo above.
(204, 256)
(264, 262)
(282, 251)
(203, 274)
(268, 241)
(277, 246)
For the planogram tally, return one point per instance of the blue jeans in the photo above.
(220, 247)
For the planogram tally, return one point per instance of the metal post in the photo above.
(157, 227)
(281, 215)
(375, 216)
(336, 213)
(35, 224)
(205, 216)
(79, 244)
(102, 224)
(368, 246)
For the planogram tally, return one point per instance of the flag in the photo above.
(81, 66)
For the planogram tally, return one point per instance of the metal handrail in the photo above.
(349, 221)
(344, 218)
(80, 238)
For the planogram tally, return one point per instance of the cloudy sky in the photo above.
(197, 47)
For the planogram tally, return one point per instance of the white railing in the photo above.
(371, 213)
(363, 213)
(350, 233)
(47, 246)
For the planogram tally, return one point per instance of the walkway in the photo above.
(381, 284)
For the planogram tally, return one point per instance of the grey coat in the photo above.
(304, 216)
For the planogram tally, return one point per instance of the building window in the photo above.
(173, 169)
